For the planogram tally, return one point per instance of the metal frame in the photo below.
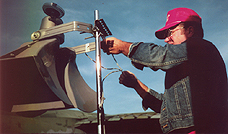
(50, 29)
(100, 30)
(62, 28)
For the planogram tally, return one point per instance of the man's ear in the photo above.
(190, 31)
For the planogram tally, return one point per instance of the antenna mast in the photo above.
(99, 84)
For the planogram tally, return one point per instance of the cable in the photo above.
(117, 63)
(116, 69)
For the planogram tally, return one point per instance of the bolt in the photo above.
(35, 35)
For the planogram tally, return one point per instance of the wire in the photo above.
(117, 62)
(109, 74)
(116, 69)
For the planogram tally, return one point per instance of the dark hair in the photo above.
(198, 29)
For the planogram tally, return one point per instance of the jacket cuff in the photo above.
(145, 102)
(150, 101)
(133, 48)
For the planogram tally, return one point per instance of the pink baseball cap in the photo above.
(176, 16)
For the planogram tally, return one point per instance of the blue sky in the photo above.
(128, 20)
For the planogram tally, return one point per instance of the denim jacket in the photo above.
(175, 104)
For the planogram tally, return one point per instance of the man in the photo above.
(195, 97)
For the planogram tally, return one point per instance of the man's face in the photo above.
(176, 36)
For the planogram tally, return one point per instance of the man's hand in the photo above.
(128, 79)
(115, 46)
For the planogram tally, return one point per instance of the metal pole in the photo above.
(99, 84)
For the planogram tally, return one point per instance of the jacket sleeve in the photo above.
(157, 57)
(153, 100)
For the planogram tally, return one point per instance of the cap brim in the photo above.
(162, 33)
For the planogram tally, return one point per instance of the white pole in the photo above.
(99, 84)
